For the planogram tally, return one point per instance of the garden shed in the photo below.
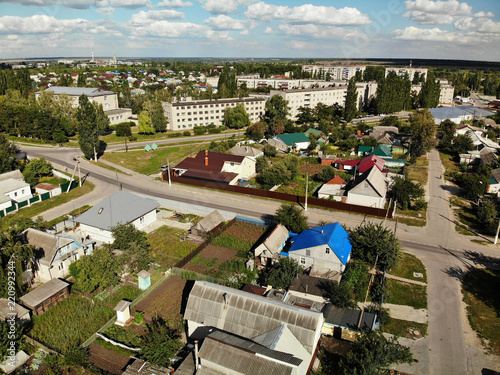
(46, 296)
(208, 224)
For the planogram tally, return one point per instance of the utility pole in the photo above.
(368, 291)
(307, 185)
(79, 174)
(72, 176)
(498, 230)
(168, 171)
(126, 147)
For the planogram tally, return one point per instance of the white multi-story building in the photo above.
(336, 72)
(410, 71)
(328, 96)
(445, 95)
(283, 84)
(186, 115)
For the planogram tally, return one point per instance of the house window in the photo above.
(328, 250)
(142, 220)
(308, 252)
(302, 261)
(15, 194)
(61, 266)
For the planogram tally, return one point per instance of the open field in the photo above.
(404, 328)
(150, 162)
(419, 171)
(401, 293)
(407, 266)
(207, 262)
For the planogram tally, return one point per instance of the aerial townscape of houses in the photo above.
(252, 329)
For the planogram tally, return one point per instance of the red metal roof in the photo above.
(336, 181)
(369, 161)
(347, 162)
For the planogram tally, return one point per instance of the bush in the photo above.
(199, 130)
(186, 133)
(123, 129)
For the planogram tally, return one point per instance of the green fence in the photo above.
(64, 186)
(2, 213)
(22, 204)
(11, 209)
(45, 196)
(35, 199)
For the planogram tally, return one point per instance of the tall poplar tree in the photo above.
(431, 89)
(351, 99)
(88, 133)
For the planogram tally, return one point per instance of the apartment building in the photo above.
(410, 71)
(281, 84)
(327, 95)
(188, 114)
(336, 72)
(445, 96)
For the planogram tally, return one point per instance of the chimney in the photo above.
(359, 133)
(196, 360)
(206, 160)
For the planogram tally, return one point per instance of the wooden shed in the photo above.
(46, 296)
(208, 224)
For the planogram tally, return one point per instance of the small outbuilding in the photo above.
(208, 224)
(46, 296)
(8, 309)
(144, 280)
(346, 323)
(123, 313)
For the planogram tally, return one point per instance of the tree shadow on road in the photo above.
(483, 260)
(456, 272)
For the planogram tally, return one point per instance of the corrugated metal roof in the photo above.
(78, 91)
(248, 315)
(210, 221)
(369, 161)
(292, 138)
(348, 318)
(47, 242)
(10, 184)
(239, 360)
(196, 167)
(122, 207)
(332, 235)
(44, 291)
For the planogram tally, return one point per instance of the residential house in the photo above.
(364, 150)
(13, 191)
(465, 128)
(268, 251)
(306, 291)
(267, 322)
(293, 142)
(55, 253)
(494, 183)
(207, 225)
(333, 189)
(249, 151)
(46, 296)
(383, 151)
(122, 207)
(324, 249)
(475, 158)
(216, 167)
(481, 142)
(316, 132)
(347, 323)
(458, 114)
(345, 165)
(368, 189)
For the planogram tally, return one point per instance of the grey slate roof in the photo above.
(249, 315)
(78, 91)
(275, 240)
(49, 243)
(210, 221)
(5, 311)
(348, 318)
(122, 207)
(16, 175)
(8, 185)
(244, 357)
(371, 183)
(44, 291)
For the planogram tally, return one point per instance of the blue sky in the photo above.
(442, 29)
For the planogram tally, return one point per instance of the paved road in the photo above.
(451, 347)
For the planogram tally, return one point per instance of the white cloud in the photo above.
(483, 14)
(439, 35)
(175, 3)
(268, 30)
(223, 22)
(315, 31)
(429, 12)
(130, 4)
(480, 25)
(144, 17)
(169, 29)
(224, 6)
(12, 37)
(106, 11)
(299, 44)
(75, 4)
(308, 13)
(39, 24)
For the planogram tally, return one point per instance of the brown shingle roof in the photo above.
(196, 167)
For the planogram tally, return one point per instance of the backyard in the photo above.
(166, 247)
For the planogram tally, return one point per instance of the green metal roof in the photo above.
(293, 138)
(365, 148)
(316, 132)
(382, 150)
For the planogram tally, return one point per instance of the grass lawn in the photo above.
(241, 237)
(449, 164)
(419, 171)
(402, 328)
(480, 289)
(409, 264)
(38, 208)
(401, 293)
(70, 322)
(166, 247)
(466, 216)
(150, 162)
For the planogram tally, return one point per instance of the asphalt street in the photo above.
(451, 346)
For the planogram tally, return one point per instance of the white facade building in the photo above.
(186, 115)
(336, 72)
(410, 71)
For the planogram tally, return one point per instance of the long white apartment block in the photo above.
(188, 114)
(445, 96)
(411, 72)
(336, 72)
(283, 84)
(328, 96)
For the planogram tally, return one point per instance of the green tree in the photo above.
(270, 151)
(351, 101)
(292, 217)
(261, 163)
(7, 335)
(326, 174)
(431, 89)
(472, 186)
(157, 115)
(160, 343)
(305, 116)
(276, 109)
(406, 192)
(134, 243)
(101, 120)
(281, 274)
(95, 271)
(373, 354)
(462, 143)
(339, 295)
(123, 129)
(8, 152)
(486, 213)
(275, 174)
(35, 169)
(145, 124)
(423, 130)
(256, 131)
(371, 240)
(446, 133)
(88, 133)
(236, 117)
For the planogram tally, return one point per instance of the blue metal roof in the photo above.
(332, 235)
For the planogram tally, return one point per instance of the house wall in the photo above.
(60, 267)
(301, 145)
(318, 257)
(245, 169)
(278, 144)
(97, 234)
(365, 200)
(493, 188)
(108, 101)
(20, 194)
(116, 118)
(145, 220)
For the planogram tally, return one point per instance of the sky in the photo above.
(441, 29)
